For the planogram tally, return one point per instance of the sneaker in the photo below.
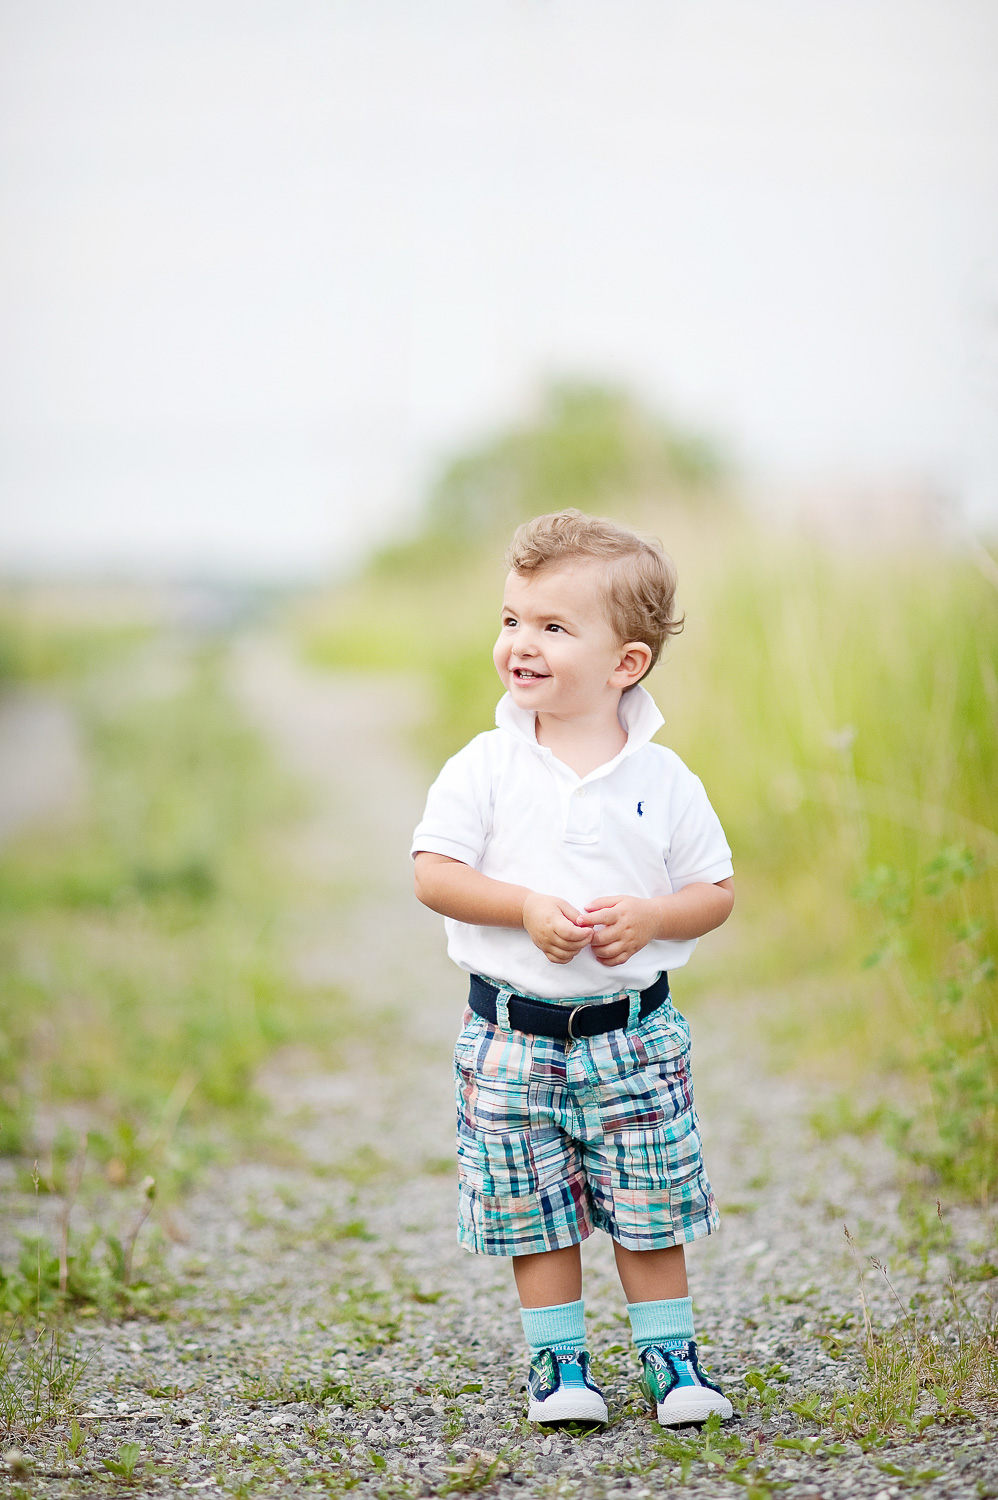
(561, 1390)
(674, 1381)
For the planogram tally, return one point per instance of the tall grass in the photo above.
(843, 713)
(842, 710)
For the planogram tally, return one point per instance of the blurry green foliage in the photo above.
(842, 713)
(592, 446)
(140, 962)
(940, 934)
(96, 1279)
(36, 648)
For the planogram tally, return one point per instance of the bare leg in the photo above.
(549, 1278)
(560, 1388)
(650, 1275)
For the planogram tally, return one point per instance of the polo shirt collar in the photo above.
(638, 713)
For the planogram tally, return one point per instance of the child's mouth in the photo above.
(522, 674)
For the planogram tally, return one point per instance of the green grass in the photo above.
(842, 713)
(39, 1372)
(928, 1367)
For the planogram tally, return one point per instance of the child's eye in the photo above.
(508, 620)
(554, 627)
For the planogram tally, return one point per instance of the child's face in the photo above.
(557, 653)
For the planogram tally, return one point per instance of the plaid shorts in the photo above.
(556, 1139)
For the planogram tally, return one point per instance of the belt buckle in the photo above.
(572, 1015)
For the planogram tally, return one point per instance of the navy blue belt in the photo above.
(565, 1023)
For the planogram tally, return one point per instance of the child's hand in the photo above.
(554, 927)
(624, 924)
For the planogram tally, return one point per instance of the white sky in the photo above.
(264, 262)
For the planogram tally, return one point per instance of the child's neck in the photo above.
(583, 743)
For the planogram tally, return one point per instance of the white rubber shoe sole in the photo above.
(569, 1404)
(692, 1403)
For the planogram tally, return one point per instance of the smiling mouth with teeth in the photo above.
(524, 673)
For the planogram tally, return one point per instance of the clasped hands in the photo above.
(615, 927)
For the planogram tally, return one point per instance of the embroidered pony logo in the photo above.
(641, 809)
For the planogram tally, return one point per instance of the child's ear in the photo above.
(635, 659)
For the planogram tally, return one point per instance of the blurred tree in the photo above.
(589, 445)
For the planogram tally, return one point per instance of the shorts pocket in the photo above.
(498, 1165)
(468, 1038)
(495, 1151)
(653, 1094)
(664, 1035)
(655, 1160)
(656, 1191)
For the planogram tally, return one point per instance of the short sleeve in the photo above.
(698, 850)
(458, 814)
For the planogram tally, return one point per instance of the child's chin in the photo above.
(525, 692)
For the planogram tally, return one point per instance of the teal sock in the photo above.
(561, 1328)
(669, 1322)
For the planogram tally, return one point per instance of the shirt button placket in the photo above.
(582, 819)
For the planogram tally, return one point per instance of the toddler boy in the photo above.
(576, 863)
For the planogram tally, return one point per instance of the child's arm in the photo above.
(456, 890)
(626, 923)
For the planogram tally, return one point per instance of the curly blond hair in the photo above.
(639, 579)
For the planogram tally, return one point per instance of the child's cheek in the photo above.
(500, 657)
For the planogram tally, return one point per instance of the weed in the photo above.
(98, 1275)
(453, 1423)
(125, 1464)
(450, 1389)
(836, 1332)
(762, 1390)
(908, 1478)
(370, 1313)
(814, 1447)
(473, 1473)
(127, 1250)
(39, 1371)
(725, 1455)
(260, 1388)
(922, 1370)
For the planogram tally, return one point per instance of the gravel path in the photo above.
(335, 1336)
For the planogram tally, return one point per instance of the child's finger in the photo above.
(604, 918)
(612, 956)
(572, 932)
(602, 903)
(563, 950)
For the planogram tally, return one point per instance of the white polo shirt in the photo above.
(641, 825)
